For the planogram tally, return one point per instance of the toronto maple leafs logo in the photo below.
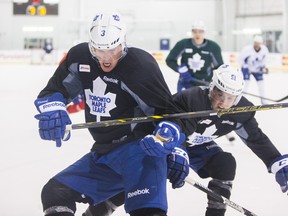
(100, 103)
(206, 136)
(196, 63)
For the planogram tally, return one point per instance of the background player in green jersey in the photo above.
(197, 58)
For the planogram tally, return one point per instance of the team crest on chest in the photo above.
(196, 63)
(100, 104)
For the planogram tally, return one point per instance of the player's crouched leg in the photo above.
(107, 207)
(59, 200)
(222, 169)
(148, 212)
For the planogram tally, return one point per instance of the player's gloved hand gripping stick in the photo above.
(185, 75)
(280, 168)
(166, 131)
(166, 139)
(53, 118)
(185, 78)
(178, 167)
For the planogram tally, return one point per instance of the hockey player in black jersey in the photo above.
(206, 157)
(117, 82)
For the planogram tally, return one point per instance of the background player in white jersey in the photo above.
(198, 57)
(253, 60)
(206, 157)
(117, 82)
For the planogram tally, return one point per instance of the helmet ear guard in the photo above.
(229, 80)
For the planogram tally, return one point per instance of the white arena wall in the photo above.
(276, 61)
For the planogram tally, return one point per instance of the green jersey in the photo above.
(200, 59)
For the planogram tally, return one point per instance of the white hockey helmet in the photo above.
(198, 24)
(107, 31)
(258, 39)
(229, 80)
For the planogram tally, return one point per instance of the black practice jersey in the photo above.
(135, 87)
(206, 129)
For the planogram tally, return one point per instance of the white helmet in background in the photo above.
(229, 80)
(198, 24)
(107, 32)
(258, 39)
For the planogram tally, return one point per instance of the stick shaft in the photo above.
(268, 99)
(219, 197)
(205, 83)
(205, 113)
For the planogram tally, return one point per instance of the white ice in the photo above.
(27, 162)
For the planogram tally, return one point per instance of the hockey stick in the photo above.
(219, 198)
(268, 99)
(204, 113)
(247, 93)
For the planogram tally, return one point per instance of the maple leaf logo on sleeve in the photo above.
(100, 103)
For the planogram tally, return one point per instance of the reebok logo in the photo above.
(227, 122)
(138, 192)
(204, 52)
(53, 104)
(110, 80)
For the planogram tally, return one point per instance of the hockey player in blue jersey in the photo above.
(117, 82)
(206, 157)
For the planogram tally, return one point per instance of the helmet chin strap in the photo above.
(237, 99)
(124, 51)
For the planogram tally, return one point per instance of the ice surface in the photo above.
(27, 162)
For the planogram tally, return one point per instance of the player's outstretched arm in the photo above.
(53, 118)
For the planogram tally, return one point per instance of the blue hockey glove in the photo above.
(185, 76)
(165, 138)
(178, 167)
(280, 168)
(53, 118)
